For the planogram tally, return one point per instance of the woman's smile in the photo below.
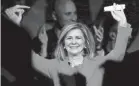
(74, 46)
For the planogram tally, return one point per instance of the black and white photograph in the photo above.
(69, 42)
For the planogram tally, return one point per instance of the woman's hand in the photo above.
(42, 35)
(15, 13)
(119, 16)
(44, 39)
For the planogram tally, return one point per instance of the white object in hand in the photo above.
(111, 8)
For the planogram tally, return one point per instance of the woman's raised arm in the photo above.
(39, 62)
(124, 32)
(119, 50)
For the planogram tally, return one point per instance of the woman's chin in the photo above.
(73, 52)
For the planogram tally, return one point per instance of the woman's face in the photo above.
(74, 42)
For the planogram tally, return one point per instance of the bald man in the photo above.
(64, 12)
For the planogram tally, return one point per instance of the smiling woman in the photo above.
(75, 39)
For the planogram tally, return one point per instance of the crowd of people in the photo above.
(68, 51)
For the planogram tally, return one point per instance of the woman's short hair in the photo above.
(61, 54)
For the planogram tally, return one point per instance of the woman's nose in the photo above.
(73, 41)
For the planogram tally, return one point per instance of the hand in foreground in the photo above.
(119, 16)
(15, 13)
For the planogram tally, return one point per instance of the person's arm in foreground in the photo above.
(31, 19)
(15, 13)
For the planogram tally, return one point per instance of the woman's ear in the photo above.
(54, 15)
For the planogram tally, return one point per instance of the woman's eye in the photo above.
(79, 37)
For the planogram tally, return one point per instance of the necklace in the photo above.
(76, 61)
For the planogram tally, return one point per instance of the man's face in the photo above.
(66, 13)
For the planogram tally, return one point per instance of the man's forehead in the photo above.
(63, 4)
